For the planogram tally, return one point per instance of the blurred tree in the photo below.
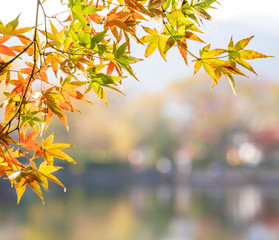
(197, 122)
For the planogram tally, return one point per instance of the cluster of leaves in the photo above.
(87, 49)
(213, 63)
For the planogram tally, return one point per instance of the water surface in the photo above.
(162, 212)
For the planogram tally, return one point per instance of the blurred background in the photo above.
(173, 160)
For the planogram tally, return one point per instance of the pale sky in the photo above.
(230, 9)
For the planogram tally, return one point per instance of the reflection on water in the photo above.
(164, 212)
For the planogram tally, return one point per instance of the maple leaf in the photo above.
(239, 55)
(26, 175)
(154, 40)
(45, 171)
(29, 141)
(50, 150)
(11, 28)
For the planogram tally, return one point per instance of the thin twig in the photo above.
(18, 112)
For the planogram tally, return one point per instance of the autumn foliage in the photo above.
(87, 49)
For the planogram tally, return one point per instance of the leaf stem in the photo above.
(17, 56)
(193, 55)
